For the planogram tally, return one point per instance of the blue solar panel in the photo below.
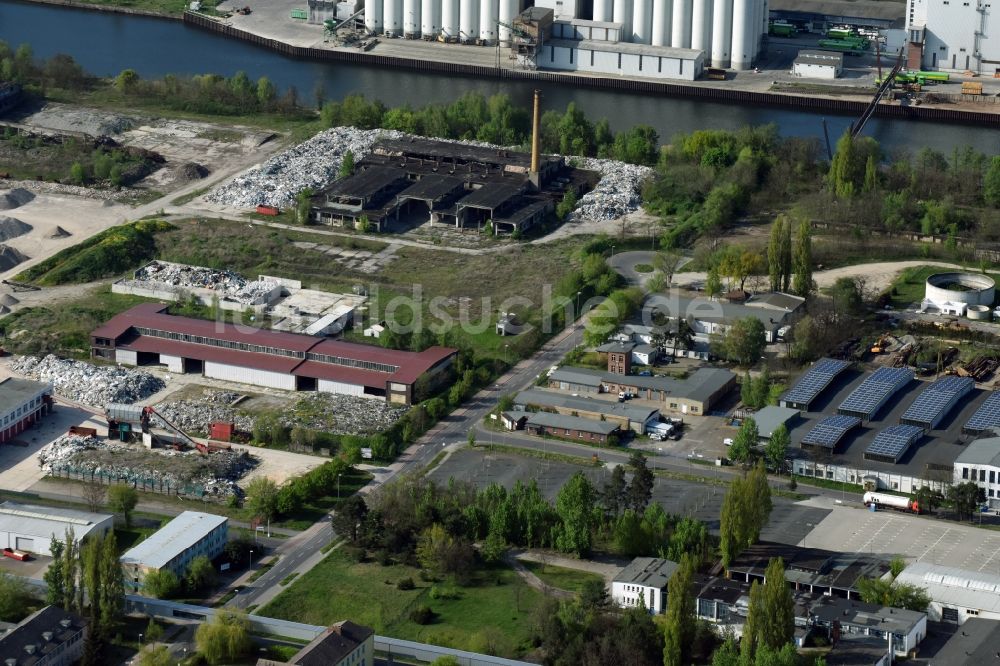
(936, 400)
(830, 430)
(892, 443)
(865, 400)
(987, 416)
(814, 381)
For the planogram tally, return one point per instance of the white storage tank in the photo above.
(701, 25)
(663, 11)
(430, 18)
(642, 22)
(392, 17)
(508, 10)
(449, 19)
(411, 18)
(722, 32)
(740, 54)
(489, 13)
(468, 20)
(681, 32)
(373, 16)
(602, 10)
(623, 15)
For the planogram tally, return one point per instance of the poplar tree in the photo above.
(786, 255)
(777, 622)
(679, 623)
(70, 569)
(54, 592)
(751, 628)
(110, 597)
(802, 281)
(774, 266)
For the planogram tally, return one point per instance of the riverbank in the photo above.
(173, 9)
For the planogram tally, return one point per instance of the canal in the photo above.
(104, 43)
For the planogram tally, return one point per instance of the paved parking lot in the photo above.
(915, 538)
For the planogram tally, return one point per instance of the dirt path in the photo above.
(607, 570)
(534, 581)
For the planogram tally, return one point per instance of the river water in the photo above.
(105, 43)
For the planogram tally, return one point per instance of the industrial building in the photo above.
(175, 545)
(711, 317)
(772, 417)
(48, 637)
(951, 35)
(629, 416)
(811, 64)
(643, 582)
(572, 427)
(408, 182)
(22, 403)
(31, 528)
(979, 462)
(147, 335)
(956, 594)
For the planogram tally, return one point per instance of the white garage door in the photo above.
(24, 543)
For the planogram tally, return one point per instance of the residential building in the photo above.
(978, 642)
(47, 637)
(31, 528)
(629, 415)
(175, 545)
(956, 594)
(643, 583)
(809, 569)
(22, 403)
(147, 335)
(979, 462)
(573, 427)
(619, 356)
(343, 644)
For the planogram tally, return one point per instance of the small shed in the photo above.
(818, 64)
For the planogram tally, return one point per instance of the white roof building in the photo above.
(30, 527)
(956, 594)
(187, 536)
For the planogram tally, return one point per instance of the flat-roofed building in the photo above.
(956, 594)
(643, 583)
(30, 527)
(47, 637)
(174, 545)
(22, 403)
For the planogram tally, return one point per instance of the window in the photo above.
(992, 476)
(982, 475)
(965, 472)
(970, 611)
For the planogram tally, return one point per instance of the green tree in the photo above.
(750, 640)
(126, 81)
(614, 494)
(777, 448)
(713, 283)
(303, 204)
(575, 505)
(893, 594)
(928, 500)
(110, 593)
(347, 164)
(442, 553)
(871, 175)
(77, 174)
(690, 537)
(847, 296)
(201, 574)
(680, 620)
(262, 497)
(805, 340)
(667, 262)
(842, 176)
(567, 204)
(14, 597)
(445, 660)
(266, 93)
(122, 500)
(161, 583)
(777, 621)
(53, 576)
(350, 517)
(991, 183)
(156, 654)
(802, 280)
(965, 498)
(225, 638)
(640, 489)
(786, 255)
(72, 590)
(745, 340)
(745, 441)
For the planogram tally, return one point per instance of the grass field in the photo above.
(571, 580)
(492, 614)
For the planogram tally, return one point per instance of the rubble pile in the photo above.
(15, 198)
(195, 416)
(618, 193)
(342, 414)
(92, 385)
(184, 471)
(229, 285)
(311, 164)
(11, 227)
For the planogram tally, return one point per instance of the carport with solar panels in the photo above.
(891, 443)
(985, 418)
(815, 381)
(867, 399)
(936, 401)
(828, 433)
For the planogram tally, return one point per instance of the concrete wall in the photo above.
(627, 595)
(813, 71)
(174, 364)
(250, 376)
(605, 62)
(126, 357)
(344, 389)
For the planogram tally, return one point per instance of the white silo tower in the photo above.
(602, 10)
(680, 36)
(663, 11)
(701, 25)
(430, 18)
(623, 15)
(468, 20)
(392, 17)
(743, 19)
(411, 18)
(642, 22)
(373, 16)
(449, 19)
(508, 10)
(722, 32)
(489, 13)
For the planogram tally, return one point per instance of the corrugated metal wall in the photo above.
(252, 376)
(126, 357)
(173, 363)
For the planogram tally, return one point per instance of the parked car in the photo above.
(728, 441)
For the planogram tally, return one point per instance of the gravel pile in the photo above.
(195, 416)
(215, 474)
(11, 227)
(313, 164)
(229, 285)
(10, 257)
(342, 414)
(618, 193)
(15, 198)
(90, 384)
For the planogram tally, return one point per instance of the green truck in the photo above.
(779, 29)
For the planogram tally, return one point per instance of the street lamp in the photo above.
(338, 487)
(140, 641)
(250, 565)
(612, 250)
(576, 312)
(505, 354)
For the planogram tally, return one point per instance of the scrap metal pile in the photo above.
(229, 285)
(618, 193)
(89, 384)
(183, 472)
(195, 416)
(342, 414)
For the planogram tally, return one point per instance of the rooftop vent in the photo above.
(30, 649)
(47, 635)
(65, 622)
(10, 662)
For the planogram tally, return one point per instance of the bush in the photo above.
(422, 615)
(445, 592)
(355, 554)
(406, 584)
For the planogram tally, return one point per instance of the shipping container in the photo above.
(267, 210)
(124, 413)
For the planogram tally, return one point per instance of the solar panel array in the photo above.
(865, 400)
(936, 400)
(830, 430)
(892, 443)
(987, 416)
(814, 381)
